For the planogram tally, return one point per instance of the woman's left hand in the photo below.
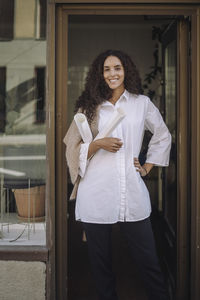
(141, 169)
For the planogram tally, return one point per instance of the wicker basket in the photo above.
(35, 212)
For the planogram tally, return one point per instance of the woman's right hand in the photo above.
(108, 143)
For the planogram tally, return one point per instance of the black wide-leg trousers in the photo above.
(141, 242)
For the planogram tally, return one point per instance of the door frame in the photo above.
(57, 110)
(179, 31)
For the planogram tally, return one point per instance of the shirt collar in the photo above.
(124, 96)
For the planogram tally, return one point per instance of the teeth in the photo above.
(113, 80)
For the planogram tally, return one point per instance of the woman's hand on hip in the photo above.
(143, 170)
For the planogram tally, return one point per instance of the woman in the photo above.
(107, 173)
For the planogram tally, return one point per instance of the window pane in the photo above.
(6, 19)
(23, 131)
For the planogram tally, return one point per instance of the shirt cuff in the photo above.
(158, 160)
(83, 161)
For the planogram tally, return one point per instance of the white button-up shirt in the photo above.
(110, 189)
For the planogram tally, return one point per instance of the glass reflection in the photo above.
(22, 122)
(170, 117)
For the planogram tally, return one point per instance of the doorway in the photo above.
(134, 35)
(144, 39)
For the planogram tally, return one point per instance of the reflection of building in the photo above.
(22, 62)
(22, 75)
(23, 19)
(77, 31)
(22, 129)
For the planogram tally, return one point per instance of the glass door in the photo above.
(169, 43)
(175, 186)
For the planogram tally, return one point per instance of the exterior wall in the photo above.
(22, 280)
(27, 280)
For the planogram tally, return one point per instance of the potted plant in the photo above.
(30, 203)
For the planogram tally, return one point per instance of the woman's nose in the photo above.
(112, 72)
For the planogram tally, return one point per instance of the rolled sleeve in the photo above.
(160, 144)
(83, 161)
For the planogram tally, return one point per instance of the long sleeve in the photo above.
(83, 160)
(76, 160)
(160, 143)
(73, 143)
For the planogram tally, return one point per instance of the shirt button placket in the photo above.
(122, 180)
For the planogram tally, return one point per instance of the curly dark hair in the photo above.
(97, 90)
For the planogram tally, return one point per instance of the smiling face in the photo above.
(113, 73)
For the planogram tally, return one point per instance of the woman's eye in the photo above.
(117, 68)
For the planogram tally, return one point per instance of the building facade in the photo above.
(46, 48)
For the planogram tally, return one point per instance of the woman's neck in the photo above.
(116, 95)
